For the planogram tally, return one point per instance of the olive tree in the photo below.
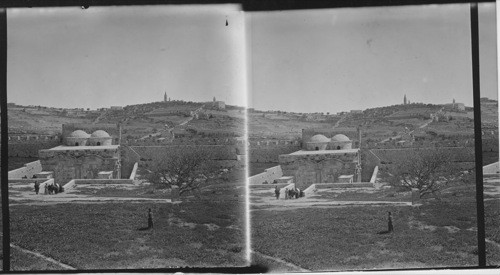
(186, 167)
(427, 170)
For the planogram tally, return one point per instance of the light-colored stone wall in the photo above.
(80, 164)
(134, 171)
(103, 181)
(318, 168)
(269, 175)
(28, 171)
(374, 175)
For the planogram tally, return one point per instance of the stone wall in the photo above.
(317, 168)
(344, 185)
(134, 171)
(128, 159)
(27, 171)
(103, 181)
(270, 153)
(29, 149)
(80, 164)
(220, 152)
(269, 175)
(374, 175)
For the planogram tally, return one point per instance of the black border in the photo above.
(481, 232)
(249, 6)
(4, 176)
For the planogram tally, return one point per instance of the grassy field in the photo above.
(351, 194)
(440, 233)
(207, 231)
(111, 236)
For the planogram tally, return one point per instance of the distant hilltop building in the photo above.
(404, 100)
(165, 97)
(214, 104)
(454, 106)
(116, 108)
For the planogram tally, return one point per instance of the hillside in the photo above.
(138, 121)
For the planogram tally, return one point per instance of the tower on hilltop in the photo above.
(404, 100)
(165, 97)
(214, 98)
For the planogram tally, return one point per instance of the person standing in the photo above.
(389, 225)
(37, 187)
(150, 219)
(277, 192)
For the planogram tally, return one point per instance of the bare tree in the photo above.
(426, 170)
(187, 167)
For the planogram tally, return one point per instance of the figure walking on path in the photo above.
(277, 192)
(150, 219)
(390, 227)
(37, 187)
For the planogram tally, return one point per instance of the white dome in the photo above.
(100, 134)
(319, 139)
(78, 134)
(340, 137)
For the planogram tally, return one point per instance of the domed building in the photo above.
(317, 142)
(323, 159)
(100, 138)
(77, 138)
(83, 155)
(340, 142)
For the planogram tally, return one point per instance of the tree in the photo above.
(187, 167)
(426, 170)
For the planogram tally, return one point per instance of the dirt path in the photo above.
(64, 266)
(288, 264)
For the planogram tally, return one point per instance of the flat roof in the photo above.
(75, 148)
(326, 152)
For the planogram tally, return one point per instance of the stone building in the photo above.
(323, 160)
(82, 156)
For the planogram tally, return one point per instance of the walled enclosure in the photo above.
(311, 167)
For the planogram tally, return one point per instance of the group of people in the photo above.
(289, 193)
(50, 189)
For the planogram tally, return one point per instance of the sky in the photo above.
(334, 60)
(117, 56)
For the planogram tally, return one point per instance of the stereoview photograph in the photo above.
(361, 133)
(126, 137)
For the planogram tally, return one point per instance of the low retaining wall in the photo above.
(28, 171)
(103, 181)
(25, 181)
(310, 190)
(269, 175)
(344, 185)
(491, 170)
(268, 186)
(134, 171)
(69, 185)
(374, 175)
